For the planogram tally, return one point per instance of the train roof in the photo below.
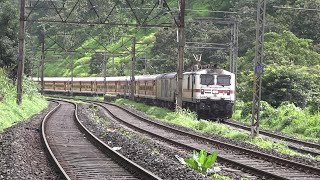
(167, 76)
(89, 79)
(57, 79)
(201, 71)
(139, 77)
(146, 77)
(212, 71)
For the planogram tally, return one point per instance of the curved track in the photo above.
(296, 144)
(263, 165)
(80, 155)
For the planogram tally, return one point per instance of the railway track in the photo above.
(78, 154)
(295, 144)
(260, 164)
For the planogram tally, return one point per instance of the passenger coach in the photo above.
(210, 92)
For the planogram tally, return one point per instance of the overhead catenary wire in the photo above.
(295, 8)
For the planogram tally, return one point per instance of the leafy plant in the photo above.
(219, 177)
(202, 161)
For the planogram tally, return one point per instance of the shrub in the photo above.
(314, 106)
(287, 118)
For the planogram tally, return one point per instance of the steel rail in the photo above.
(289, 139)
(47, 146)
(116, 156)
(268, 157)
(145, 174)
(251, 169)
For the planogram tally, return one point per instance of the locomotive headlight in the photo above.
(228, 92)
(202, 91)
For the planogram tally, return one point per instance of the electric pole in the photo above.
(133, 64)
(21, 51)
(145, 65)
(234, 47)
(42, 38)
(181, 44)
(104, 74)
(113, 71)
(38, 73)
(72, 67)
(258, 67)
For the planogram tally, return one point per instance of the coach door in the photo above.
(193, 79)
(166, 88)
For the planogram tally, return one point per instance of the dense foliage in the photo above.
(8, 36)
(290, 71)
(10, 112)
(287, 118)
(291, 58)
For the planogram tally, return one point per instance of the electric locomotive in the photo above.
(210, 92)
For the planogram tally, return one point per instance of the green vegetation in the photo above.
(219, 177)
(8, 36)
(10, 112)
(287, 118)
(291, 58)
(77, 98)
(291, 88)
(188, 119)
(291, 72)
(201, 161)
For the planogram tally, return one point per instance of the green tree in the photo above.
(8, 36)
(96, 63)
(306, 23)
(291, 71)
(283, 49)
(295, 84)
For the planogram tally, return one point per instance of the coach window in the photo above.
(207, 79)
(188, 82)
(224, 80)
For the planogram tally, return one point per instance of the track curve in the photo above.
(261, 164)
(308, 147)
(71, 147)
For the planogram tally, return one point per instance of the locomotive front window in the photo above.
(223, 80)
(207, 79)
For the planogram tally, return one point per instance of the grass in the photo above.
(287, 119)
(10, 112)
(94, 98)
(188, 119)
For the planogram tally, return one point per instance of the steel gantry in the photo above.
(258, 67)
(92, 14)
(233, 44)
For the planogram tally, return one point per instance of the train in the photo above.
(209, 91)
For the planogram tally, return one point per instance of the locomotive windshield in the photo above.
(207, 79)
(223, 80)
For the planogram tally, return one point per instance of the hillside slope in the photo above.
(10, 112)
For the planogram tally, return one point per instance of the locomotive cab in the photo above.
(213, 93)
